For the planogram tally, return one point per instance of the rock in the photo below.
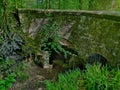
(48, 66)
(40, 89)
(39, 77)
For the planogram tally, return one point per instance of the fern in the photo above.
(11, 45)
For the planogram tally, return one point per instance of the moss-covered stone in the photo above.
(89, 34)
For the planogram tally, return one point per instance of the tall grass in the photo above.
(94, 78)
(67, 81)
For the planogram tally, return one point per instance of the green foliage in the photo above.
(7, 82)
(10, 41)
(6, 66)
(22, 76)
(10, 71)
(49, 30)
(51, 38)
(11, 45)
(97, 78)
(0, 14)
(67, 81)
(93, 78)
(70, 4)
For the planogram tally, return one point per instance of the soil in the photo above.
(37, 77)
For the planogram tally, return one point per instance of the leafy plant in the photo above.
(10, 41)
(66, 81)
(22, 76)
(94, 77)
(11, 45)
(50, 38)
(97, 77)
(10, 71)
(52, 45)
(7, 82)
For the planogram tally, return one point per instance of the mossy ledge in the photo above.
(111, 15)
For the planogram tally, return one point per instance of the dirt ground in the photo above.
(37, 76)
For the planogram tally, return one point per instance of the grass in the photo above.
(94, 78)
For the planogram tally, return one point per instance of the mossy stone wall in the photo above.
(93, 35)
(89, 34)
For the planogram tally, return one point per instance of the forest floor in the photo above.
(37, 77)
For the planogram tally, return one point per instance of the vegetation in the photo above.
(88, 35)
(7, 82)
(10, 47)
(70, 4)
(93, 78)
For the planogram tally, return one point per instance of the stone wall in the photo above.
(88, 34)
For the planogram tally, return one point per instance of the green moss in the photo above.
(98, 36)
(90, 34)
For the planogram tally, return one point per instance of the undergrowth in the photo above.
(10, 48)
(93, 78)
(7, 81)
(10, 72)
